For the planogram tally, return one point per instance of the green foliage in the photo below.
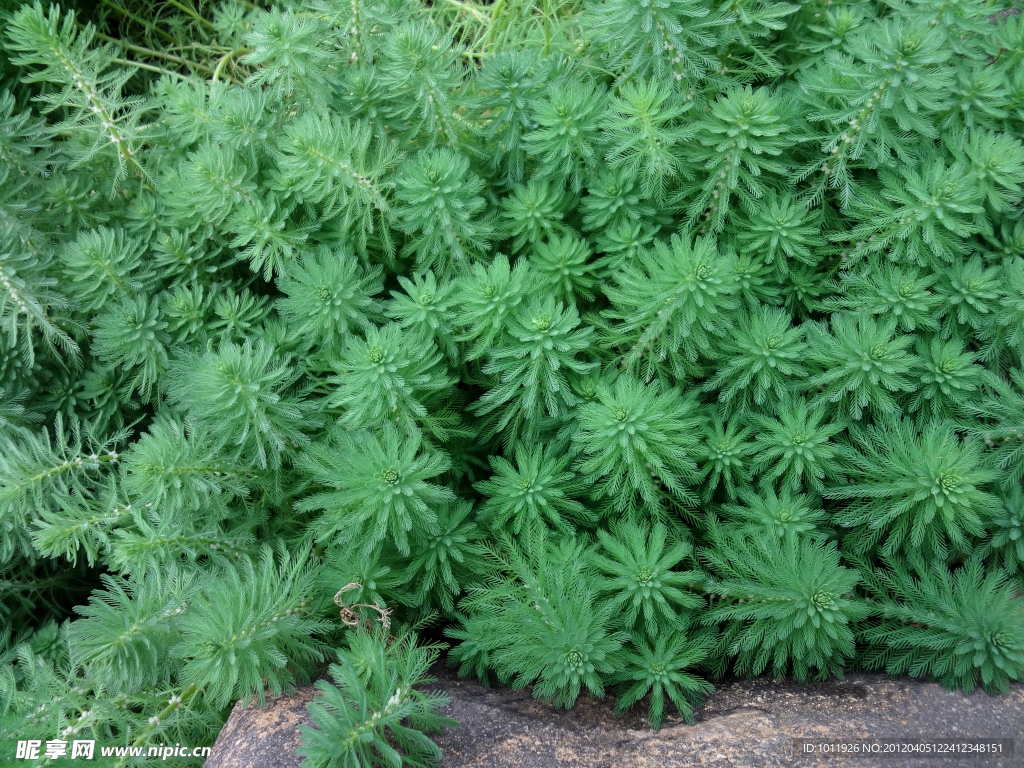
(782, 229)
(448, 559)
(639, 578)
(740, 136)
(440, 199)
(960, 627)
(132, 336)
(240, 392)
(776, 517)
(764, 355)
(538, 490)
(506, 85)
(339, 166)
(248, 626)
(540, 347)
(635, 439)
(917, 491)
(105, 264)
(566, 140)
(103, 121)
(327, 295)
(533, 211)
(561, 264)
(787, 603)
(642, 136)
(658, 669)
(388, 376)
(671, 40)
(631, 343)
(673, 304)
(380, 485)
(862, 361)
(541, 625)
(292, 53)
(371, 714)
(724, 455)
(797, 448)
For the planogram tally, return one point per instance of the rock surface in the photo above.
(744, 723)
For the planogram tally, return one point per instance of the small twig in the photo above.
(350, 618)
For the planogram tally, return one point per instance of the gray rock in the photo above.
(744, 723)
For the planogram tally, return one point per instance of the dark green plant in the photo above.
(863, 361)
(759, 360)
(797, 449)
(542, 624)
(487, 317)
(638, 578)
(657, 668)
(103, 120)
(241, 393)
(537, 491)
(738, 138)
(371, 714)
(915, 491)
(672, 305)
(1007, 529)
(725, 456)
(380, 484)
(539, 349)
(671, 40)
(390, 376)
(781, 517)
(327, 295)
(561, 264)
(634, 439)
(962, 627)
(448, 561)
(643, 135)
(533, 211)
(566, 138)
(440, 197)
(788, 604)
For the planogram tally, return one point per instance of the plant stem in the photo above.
(495, 10)
(140, 740)
(154, 53)
(138, 19)
(191, 12)
(150, 67)
(224, 60)
(469, 8)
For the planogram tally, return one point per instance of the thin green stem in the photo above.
(191, 12)
(149, 67)
(224, 61)
(477, 14)
(495, 11)
(155, 54)
(175, 703)
(138, 19)
(212, 49)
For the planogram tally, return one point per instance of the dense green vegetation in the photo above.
(616, 346)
